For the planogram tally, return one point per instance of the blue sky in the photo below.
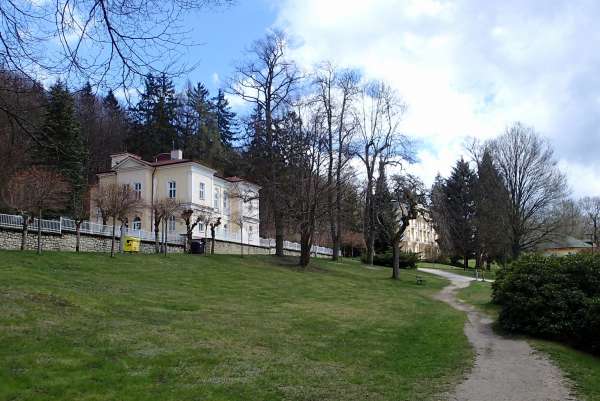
(225, 34)
(465, 68)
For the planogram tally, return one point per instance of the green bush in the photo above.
(552, 297)
(408, 260)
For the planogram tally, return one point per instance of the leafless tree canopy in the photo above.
(535, 185)
(267, 80)
(337, 90)
(118, 202)
(109, 42)
(408, 198)
(379, 143)
(35, 190)
(590, 209)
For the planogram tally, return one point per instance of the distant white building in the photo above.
(420, 237)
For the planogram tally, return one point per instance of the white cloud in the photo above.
(216, 79)
(469, 68)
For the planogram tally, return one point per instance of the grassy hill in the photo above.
(148, 327)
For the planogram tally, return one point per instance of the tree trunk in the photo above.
(396, 261)
(24, 231)
(466, 262)
(122, 238)
(166, 236)
(189, 240)
(278, 235)
(156, 237)
(370, 249)
(212, 242)
(39, 233)
(305, 245)
(242, 241)
(77, 235)
(114, 234)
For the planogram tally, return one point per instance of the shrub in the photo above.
(552, 297)
(408, 260)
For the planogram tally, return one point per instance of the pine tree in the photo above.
(459, 193)
(63, 147)
(201, 131)
(225, 119)
(88, 117)
(155, 117)
(492, 203)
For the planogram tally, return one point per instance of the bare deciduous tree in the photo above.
(337, 90)
(590, 208)
(408, 200)
(31, 192)
(119, 201)
(268, 81)
(535, 185)
(166, 209)
(80, 212)
(307, 161)
(379, 143)
(213, 224)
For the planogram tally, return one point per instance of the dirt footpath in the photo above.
(505, 369)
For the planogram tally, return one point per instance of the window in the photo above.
(201, 191)
(225, 200)
(200, 228)
(250, 233)
(137, 188)
(171, 223)
(172, 189)
(217, 199)
(137, 223)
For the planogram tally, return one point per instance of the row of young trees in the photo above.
(510, 202)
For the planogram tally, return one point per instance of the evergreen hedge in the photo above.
(408, 260)
(555, 298)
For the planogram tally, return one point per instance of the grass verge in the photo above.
(582, 369)
(470, 272)
(182, 327)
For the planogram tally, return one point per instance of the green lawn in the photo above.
(182, 327)
(581, 368)
(470, 272)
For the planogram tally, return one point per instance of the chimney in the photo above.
(176, 154)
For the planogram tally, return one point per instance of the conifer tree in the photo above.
(492, 211)
(155, 117)
(62, 147)
(225, 119)
(200, 127)
(459, 191)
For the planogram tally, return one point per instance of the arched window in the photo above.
(137, 223)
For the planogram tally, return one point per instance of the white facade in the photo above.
(196, 187)
(420, 237)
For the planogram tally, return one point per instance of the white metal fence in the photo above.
(87, 227)
(59, 225)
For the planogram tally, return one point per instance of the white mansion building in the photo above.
(194, 185)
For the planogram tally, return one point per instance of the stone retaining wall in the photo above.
(11, 239)
(234, 248)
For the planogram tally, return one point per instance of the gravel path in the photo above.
(505, 369)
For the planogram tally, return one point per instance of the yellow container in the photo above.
(132, 244)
